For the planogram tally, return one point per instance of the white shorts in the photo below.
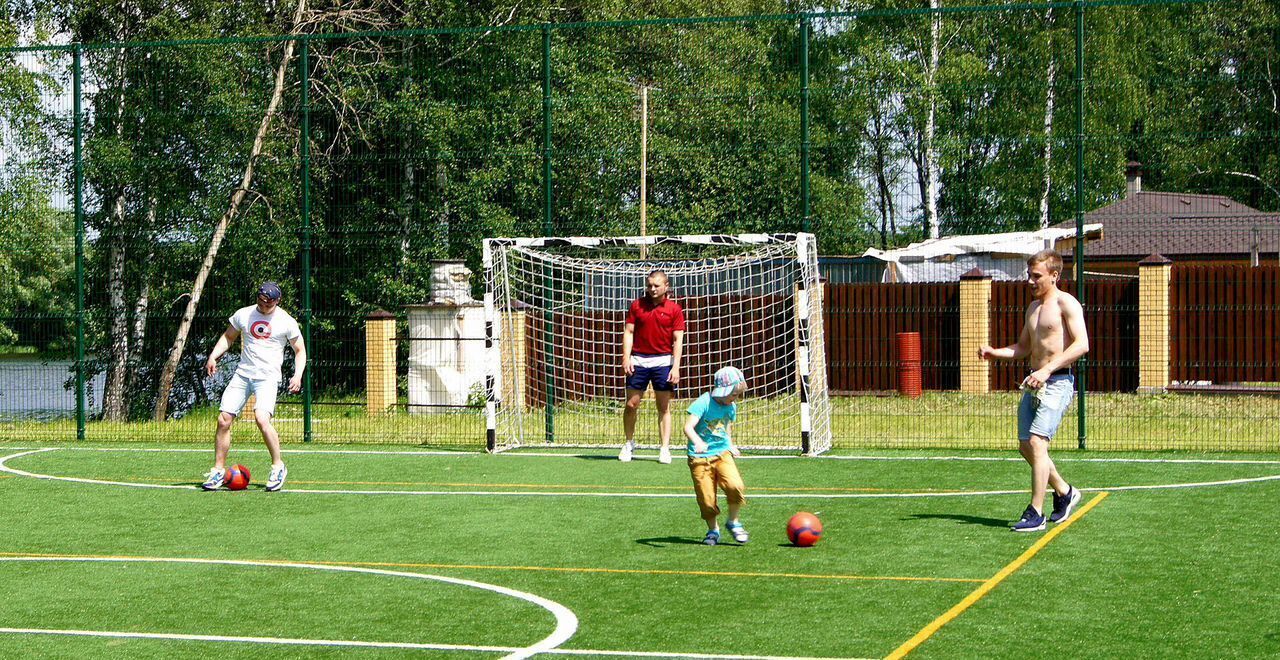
(238, 392)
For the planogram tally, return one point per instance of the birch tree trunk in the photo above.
(930, 151)
(113, 405)
(138, 334)
(1050, 75)
(220, 231)
(113, 391)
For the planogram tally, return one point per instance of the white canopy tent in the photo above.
(1002, 256)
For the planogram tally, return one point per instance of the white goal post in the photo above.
(554, 315)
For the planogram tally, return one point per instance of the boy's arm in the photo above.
(733, 446)
(691, 432)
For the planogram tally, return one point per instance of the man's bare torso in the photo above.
(1049, 334)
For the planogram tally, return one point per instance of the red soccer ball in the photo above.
(237, 477)
(804, 529)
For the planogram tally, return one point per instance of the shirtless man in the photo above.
(1053, 337)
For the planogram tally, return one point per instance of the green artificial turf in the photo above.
(1158, 572)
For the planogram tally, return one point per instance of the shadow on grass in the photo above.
(664, 541)
(967, 520)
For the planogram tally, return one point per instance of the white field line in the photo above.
(396, 645)
(4, 467)
(518, 454)
(566, 621)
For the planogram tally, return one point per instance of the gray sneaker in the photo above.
(712, 537)
(1063, 504)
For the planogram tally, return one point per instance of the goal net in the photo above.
(555, 310)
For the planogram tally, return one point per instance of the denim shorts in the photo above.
(1040, 411)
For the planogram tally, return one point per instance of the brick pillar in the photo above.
(380, 362)
(513, 357)
(1154, 274)
(975, 331)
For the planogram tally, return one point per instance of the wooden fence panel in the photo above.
(1223, 325)
(1223, 328)
(1111, 319)
(863, 321)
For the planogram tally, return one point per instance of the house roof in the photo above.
(1180, 225)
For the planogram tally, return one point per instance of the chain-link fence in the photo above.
(146, 189)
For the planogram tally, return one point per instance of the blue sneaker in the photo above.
(1032, 521)
(712, 538)
(738, 532)
(1063, 504)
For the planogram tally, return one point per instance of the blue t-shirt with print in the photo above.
(713, 424)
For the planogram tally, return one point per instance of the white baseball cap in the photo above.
(726, 381)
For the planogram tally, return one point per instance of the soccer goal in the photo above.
(555, 309)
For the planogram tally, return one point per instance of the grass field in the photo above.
(110, 551)
(1116, 422)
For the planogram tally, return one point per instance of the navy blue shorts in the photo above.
(642, 376)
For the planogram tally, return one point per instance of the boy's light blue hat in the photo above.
(726, 381)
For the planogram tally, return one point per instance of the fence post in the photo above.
(77, 122)
(304, 153)
(547, 210)
(975, 331)
(380, 361)
(1154, 275)
(805, 220)
(1078, 261)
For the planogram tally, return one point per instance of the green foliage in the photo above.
(420, 145)
(36, 260)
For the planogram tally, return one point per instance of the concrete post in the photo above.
(975, 331)
(1154, 275)
(380, 362)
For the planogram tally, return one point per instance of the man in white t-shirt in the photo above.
(265, 329)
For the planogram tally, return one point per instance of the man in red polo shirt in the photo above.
(651, 342)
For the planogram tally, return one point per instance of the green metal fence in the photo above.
(146, 188)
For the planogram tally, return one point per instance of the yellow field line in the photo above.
(991, 583)
(558, 569)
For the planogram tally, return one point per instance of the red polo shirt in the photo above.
(654, 325)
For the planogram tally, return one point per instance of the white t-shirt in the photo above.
(263, 338)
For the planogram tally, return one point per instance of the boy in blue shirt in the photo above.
(711, 451)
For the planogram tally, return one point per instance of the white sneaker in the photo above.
(215, 479)
(625, 454)
(276, 479)
(664, 455)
